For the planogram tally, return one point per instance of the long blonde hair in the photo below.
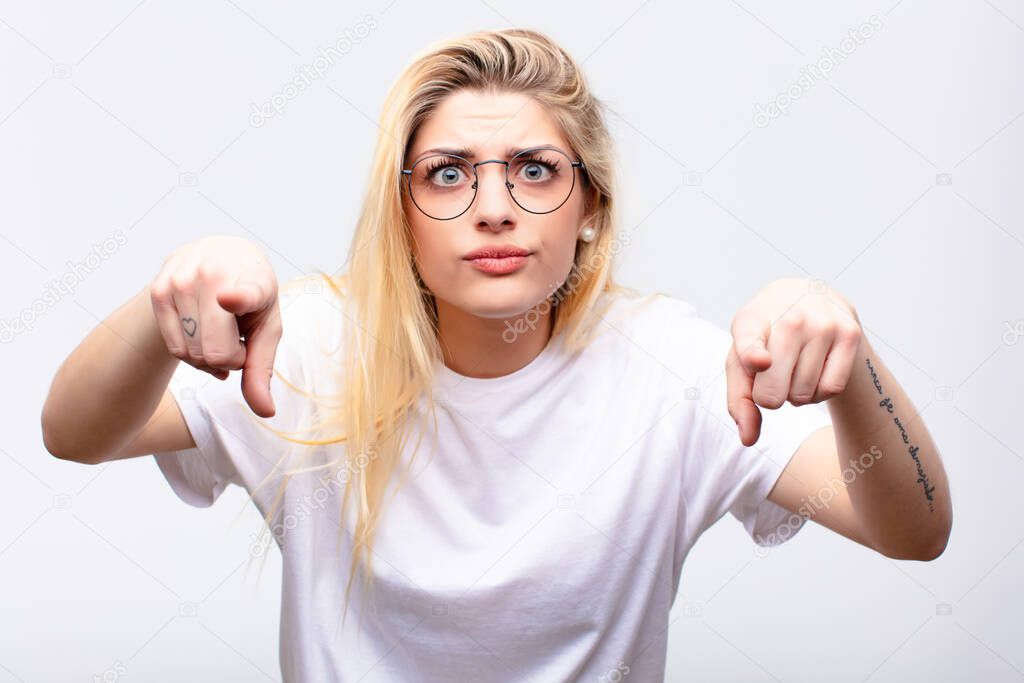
(391, 348)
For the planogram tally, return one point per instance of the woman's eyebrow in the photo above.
(467, 153)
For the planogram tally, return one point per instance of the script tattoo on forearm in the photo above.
(887, 404)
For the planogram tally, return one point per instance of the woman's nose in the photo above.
(494, 205)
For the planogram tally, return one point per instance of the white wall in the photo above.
(131, 121)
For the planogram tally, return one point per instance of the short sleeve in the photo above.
(232, 444)
(199, 475)
(737, 478)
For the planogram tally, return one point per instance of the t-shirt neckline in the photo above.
(464, 384)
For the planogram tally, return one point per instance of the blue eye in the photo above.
(535, 169)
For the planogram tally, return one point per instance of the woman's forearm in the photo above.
(905, 498)
(109, 386)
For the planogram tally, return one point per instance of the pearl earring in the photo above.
(588, 234)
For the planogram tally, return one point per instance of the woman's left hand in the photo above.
(796, 340)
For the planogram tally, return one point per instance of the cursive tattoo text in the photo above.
(887, 404)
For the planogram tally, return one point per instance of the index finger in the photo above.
(261, 348)
(739, 390)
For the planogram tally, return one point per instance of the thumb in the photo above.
(739, 391)
(245, 296)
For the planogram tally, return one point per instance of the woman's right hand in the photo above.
(210, 293)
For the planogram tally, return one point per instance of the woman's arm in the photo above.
(109, 398)
(904, 500)
(885, 484)
(877, 477)
(110, 385)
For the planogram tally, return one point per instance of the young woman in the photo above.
(512, 453)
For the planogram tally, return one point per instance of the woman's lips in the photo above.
(499, 266)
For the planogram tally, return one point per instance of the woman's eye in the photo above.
(535, 171)
(447, 175)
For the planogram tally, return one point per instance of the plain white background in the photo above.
(125, 131)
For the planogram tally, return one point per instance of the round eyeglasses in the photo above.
(539, 180)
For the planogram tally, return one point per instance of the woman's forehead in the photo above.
(487, 124)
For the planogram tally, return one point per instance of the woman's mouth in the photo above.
(499, 266)
(498, 260)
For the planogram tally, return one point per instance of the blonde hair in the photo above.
(391, 346)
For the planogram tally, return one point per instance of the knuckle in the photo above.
(833, 388)
(849, 330)
(800, 398)
(790, 324)
(160, 292)
(179, 352)
(210, 270)
(769, 398)
(182, 283)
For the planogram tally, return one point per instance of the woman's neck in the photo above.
(481, 347)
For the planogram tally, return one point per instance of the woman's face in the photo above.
(489, 125)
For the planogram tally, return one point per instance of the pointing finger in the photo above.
(739, 387)
(261, 348)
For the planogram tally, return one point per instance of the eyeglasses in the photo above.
(539, 180)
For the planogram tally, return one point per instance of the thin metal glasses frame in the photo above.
(407, 174)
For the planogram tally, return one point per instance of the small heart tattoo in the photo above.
(190, 326)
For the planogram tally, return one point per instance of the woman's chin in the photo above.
(501, 301)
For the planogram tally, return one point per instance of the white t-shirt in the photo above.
(543, 529)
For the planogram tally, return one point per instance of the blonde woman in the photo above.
(475, 438)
